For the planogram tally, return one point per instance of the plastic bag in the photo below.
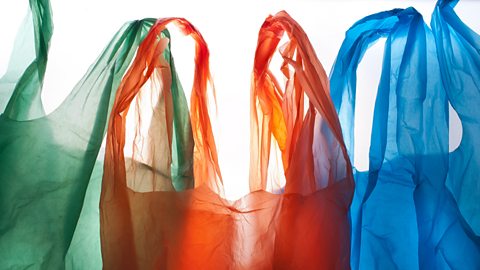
(459, 54)
(458, 51)
(147, 222)
(403, 214)
(46, 161)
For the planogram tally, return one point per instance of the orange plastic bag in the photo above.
(148, 223)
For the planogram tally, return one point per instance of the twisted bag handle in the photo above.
(118, 201)
(458, 48)
(282, 114)
(149, 58)
(22, 84)
(395, 25)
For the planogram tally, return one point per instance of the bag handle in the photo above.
(149, 58)
(278, 113)
(462, 86)
(397, 22)
(343, 76)
(405, 33)
(25, 101)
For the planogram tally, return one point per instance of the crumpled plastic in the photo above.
(162, 207)
(410, 209)
(148, 223)
(459, 54)
(46, 161)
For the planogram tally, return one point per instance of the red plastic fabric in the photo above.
(304, 227)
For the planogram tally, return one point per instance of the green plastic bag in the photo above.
(46, 161)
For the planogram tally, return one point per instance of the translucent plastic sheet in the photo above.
(21, 84)
(403, 214)
(459, 56)
(152, 224)
(46, 161)
(161, 201)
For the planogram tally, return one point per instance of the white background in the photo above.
(83, 28)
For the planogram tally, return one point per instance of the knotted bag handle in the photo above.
(267, 115)
(149, 58)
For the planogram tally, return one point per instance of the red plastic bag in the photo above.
(147, 223)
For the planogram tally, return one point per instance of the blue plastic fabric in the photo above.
(459, 55)
(403, 215)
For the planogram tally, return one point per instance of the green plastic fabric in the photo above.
(46, 161)
(28, 62)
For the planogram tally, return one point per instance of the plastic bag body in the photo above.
(147, 223)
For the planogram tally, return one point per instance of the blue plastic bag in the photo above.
(403, 215)
(459, 56)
